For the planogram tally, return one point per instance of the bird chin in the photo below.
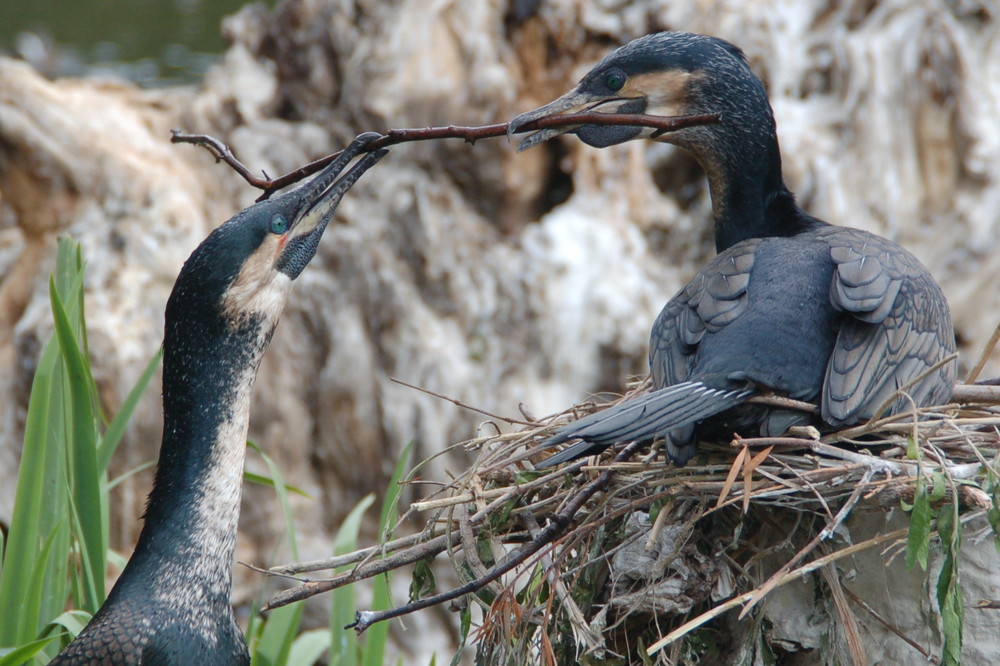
(602, 136)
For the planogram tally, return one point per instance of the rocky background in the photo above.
(488, 276)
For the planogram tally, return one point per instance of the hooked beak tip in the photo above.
(572, 102)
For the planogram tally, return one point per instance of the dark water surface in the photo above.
(151, 42)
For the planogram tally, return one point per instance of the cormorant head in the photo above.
(245, 267)
(667, 74)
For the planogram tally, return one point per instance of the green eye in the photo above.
(278, 225)
(614, 80)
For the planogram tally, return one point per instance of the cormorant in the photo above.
(791, 305)
(171, 604)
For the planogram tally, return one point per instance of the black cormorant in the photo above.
(171, 604)
(791, 305)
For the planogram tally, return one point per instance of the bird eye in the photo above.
(278, 225)
(615, 80)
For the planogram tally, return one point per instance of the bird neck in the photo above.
(210, 364)
(749, 196)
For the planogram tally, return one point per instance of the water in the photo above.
(150, 42)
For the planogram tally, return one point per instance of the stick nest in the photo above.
(639, 556)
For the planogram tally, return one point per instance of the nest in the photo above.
(616, 556)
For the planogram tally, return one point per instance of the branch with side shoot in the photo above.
(223, 153)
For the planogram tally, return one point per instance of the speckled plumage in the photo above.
(171, 604)
(831, 315)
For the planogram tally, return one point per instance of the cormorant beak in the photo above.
(319, 198)
(579, 101)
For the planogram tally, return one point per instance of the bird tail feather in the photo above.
(640, 419)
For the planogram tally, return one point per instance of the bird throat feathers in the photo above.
(667, 93)
(259, 289)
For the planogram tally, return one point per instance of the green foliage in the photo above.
(378, 635)
(422, 583)
(57, 548)
(949, 588)
(465, 626)
(918, 541)
(272, 640)
(949, 529)
(991, 486)
(345, 647)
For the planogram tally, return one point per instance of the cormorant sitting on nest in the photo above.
(791, 305)
(171, 603)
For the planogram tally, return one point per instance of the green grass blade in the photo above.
(132, 472)
(344, 646)
(389, 513)
(309, 647)
(250, 477)
(377, 637)
(275, 643)
(278, 483)
(87, 582)
(86, 478)
(113, 435)
(73, 621)
(70, 394)
(69, 266)
(30, 502)
(26, 652)
(34, 603)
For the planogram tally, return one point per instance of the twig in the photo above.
(461, 404)
(557, 525)
(976, 393)
(501, 494)
(223, 153)
(349, 558)
(785, 403)
(985, 356)
(427, 549)
(885, 623)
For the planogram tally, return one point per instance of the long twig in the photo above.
(982, 394)
(427, 549)
(463, 405)
(349, 558)
(223, 153)
(885, 623)
(557, 525)
(984, 357)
